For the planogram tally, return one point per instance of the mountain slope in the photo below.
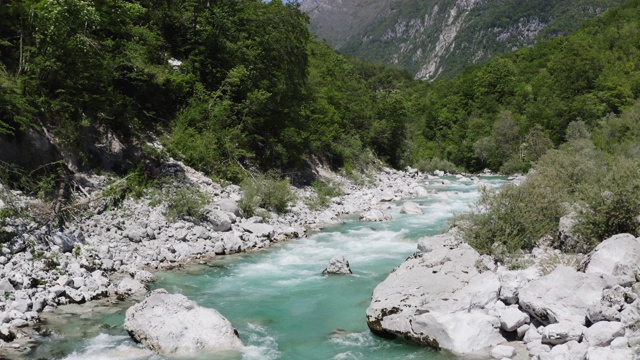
(441, 37)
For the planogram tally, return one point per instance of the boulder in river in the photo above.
(171, 324)
(438, 298)
(375, 215)
(338, 265)
(409, 207)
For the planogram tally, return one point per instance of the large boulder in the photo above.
(409, 207)
(171, 324)
(438, 298)
(260, 230)
(338, 265)
(564, 295)
(129, 287)
(66, 242)
(618, 256)
(229, 206)
(375, 215)
(218, 219)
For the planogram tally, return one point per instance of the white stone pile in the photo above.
(450, 297)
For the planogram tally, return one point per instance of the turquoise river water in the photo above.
(281, 304)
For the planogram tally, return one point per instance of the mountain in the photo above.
(438, 38)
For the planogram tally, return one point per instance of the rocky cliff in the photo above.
(441, 37)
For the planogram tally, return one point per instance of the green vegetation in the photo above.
(325, 191)
(268, 192)
(602, 187)
(433, 164)
(232, 85)
(505, 112)
(185, 203)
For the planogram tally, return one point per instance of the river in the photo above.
(281, 304)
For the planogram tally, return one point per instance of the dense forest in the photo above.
(226, 85)
(236, 86)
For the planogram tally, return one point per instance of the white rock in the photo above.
(512, 318)
(409, 207)
(503, 351)
(144, 276)
(562, 332)
(564, 295)
(619, 256)
(171, 324)
(619, 343)
(375, 215)
(438, 298)
(129, 286)
(338, 265)
(606, 353)
(261, 230)
(514, 280)
(603, 332)
(329, 217)
(218, 219)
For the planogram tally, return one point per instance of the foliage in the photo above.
(325, 191)
(265, 191)
(185, 203)
(602, 186)
(433, 164)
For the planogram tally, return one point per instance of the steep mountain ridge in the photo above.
(441, 37)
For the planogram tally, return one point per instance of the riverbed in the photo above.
(281, 304)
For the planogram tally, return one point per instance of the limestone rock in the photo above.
(171, 324)
(503, 351)
(375, 215)
(409, 207)
(218, 219)
(128, 287)
(229, 206)
(338, 265)
(618, 256)
(66, 242)
(512, 318)
(562, 332)
(439, 299)
(564, 295)
(261, 230)
(602, 333)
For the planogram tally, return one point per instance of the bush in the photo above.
(513, 165)
(433, 164)
(515, 217)
(325, 190)
(186, 203)
(265, 191)
(612, 205)
(604, 188)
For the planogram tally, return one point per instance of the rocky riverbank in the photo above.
(449, 297)
(108, 251)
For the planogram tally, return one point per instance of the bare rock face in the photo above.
(618, 256)
(171, 324)
(564, 295)
(338, 265)
(439, 299)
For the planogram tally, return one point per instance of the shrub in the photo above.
(186, 203)
(611, 205)
(325, 190)
(433, 164)
(265, 191)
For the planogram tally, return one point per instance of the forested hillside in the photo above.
(434, 39)
(506, 112)
(229, 86)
